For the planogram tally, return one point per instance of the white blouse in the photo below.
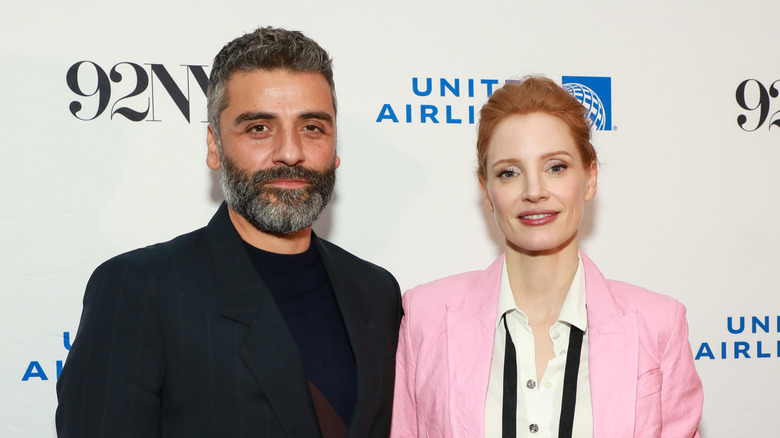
(539, 403)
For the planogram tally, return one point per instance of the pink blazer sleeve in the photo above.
(404, 422)
(682, 396)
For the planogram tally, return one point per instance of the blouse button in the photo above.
(556, 335)
(533, 428)
(530, 384)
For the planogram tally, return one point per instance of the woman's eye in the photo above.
(507, 174)
(557, 168)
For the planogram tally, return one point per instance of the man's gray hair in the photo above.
(267, 49)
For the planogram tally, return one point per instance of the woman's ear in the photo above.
(592, 182)
(485, 193)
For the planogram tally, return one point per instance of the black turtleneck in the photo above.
(303, 294)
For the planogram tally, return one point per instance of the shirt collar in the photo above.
(573, 311)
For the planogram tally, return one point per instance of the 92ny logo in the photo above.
(133, 91)
(753, 96)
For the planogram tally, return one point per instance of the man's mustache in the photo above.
(265, 176)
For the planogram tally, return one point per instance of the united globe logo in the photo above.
(595, 93)
(591, 102)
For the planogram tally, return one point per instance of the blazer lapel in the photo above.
(350, 292)
(268, 350)
(613, 340)
(470, 332)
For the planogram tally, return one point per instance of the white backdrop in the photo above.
(687, 204)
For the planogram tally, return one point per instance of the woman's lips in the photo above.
(537, 217)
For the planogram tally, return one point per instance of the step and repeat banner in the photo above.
(103, 144)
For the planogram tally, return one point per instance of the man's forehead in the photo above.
(281, 85)
(276, 75)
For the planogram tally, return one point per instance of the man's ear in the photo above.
(213, 160)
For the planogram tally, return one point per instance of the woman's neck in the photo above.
(540, 281)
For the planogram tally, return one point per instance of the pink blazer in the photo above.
(642, 377)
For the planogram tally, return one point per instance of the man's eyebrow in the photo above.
(249, 117)
(318, 115)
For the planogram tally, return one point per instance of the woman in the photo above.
(539, 343)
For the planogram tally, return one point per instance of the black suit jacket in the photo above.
(182, 339)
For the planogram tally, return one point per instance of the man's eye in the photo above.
(259, 128)
(312, 128)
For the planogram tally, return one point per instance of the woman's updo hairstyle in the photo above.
(529, 95)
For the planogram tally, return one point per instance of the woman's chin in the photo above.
(542, 247)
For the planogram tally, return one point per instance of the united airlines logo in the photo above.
(595, 93)
(451, 101)
(35, 370)
(456, 101)
(748, 337)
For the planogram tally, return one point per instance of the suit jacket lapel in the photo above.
(613, 354)
(613, 340)
(349, 291)
(470, 333)
(269, 350)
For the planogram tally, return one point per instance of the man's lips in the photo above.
(288, 183)
(537, 217)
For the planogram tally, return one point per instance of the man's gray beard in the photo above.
(272, 209)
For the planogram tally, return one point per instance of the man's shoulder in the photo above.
(156, 272)
(340, 256)
(364, 282)
(160, 256)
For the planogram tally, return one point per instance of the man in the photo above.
(252, 326)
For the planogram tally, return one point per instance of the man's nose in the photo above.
(289, 150)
